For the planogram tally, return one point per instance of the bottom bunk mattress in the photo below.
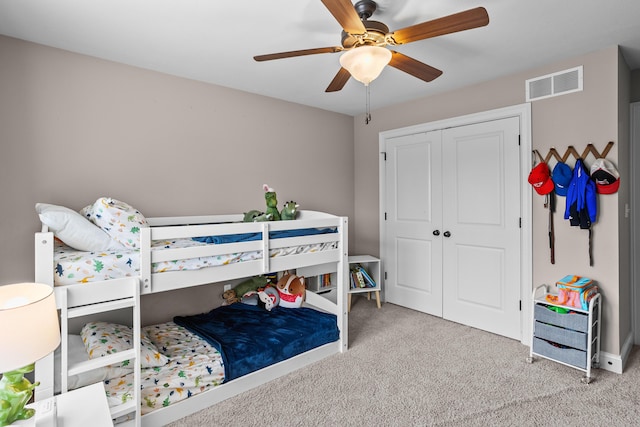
(194, 354)
(250, 338)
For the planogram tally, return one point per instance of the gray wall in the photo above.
(591, 116)
(74, 128)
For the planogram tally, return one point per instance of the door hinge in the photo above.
(518, 139)
(385, 275)
(520, 222)
(520, 305)
(384, 154)
(385, 216)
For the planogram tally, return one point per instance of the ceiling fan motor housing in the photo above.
(375, 36)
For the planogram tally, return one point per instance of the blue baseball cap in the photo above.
(561, 178)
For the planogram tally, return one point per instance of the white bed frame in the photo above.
(332, 260)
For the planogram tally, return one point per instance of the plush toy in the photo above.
(251, 215)
(257, 216)
(266, 298)
(292, 290)
(289, 211)
(230, 297)
(263, 217)
(272, 202)
(250, 285)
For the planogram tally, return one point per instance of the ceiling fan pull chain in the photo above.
(367, 115)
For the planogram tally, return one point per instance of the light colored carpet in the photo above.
(406, 368)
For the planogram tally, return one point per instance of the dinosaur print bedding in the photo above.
(73, 266)
(194, 366)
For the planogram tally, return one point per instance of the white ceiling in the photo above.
(214, 41)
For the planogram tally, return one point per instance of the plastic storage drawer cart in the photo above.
(572, 338)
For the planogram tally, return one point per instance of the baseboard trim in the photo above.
(616, 363)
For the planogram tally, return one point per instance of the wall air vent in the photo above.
(555, 84)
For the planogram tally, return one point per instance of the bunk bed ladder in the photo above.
(80, 302)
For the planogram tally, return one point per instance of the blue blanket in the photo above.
(279, 234)
(250, 338)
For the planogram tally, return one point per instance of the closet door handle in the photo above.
(447, 234)
(436, 232)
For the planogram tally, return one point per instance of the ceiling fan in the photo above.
(360, 35)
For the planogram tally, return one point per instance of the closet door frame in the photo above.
(635, 221)
(523, 112)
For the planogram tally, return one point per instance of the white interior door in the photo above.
(452, 224)
(481, 244)
(413, 254)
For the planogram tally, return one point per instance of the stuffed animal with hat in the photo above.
(272, 202)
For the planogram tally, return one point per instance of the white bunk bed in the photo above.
(329, 251)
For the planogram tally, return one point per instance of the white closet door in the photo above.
(413, 254)
(481, 214)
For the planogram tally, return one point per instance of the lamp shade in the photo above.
(29, 328)
(365, 63)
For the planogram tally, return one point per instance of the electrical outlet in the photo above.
(227, 287)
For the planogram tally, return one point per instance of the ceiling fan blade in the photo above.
(461, 21)
(293, 53)
(414, 67)
(339, 80)
(346, 15)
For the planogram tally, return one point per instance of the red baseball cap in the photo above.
(540, 178)
(606, 176)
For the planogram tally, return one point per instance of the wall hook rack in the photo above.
(571, 151)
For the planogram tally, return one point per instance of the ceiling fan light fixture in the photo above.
(365, 63)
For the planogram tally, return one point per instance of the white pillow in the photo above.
(74, 230)
(103, 338)
(118, 219)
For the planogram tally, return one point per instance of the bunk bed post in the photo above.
(44, 274)
(265, 247)
(43, 256)
(145, 259)
(342, 271)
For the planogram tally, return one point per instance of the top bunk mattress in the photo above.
(72, 266)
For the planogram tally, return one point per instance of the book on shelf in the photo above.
(325, 280)
(360, 278)
(370, 282)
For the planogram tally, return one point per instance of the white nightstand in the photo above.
(372, 266)
(86, 406)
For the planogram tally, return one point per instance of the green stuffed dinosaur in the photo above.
(289, 211)
(272, 203)
(256, 216)
(252, 284)
(251, 215)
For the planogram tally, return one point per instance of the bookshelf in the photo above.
(371, 266)
(319, 278)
